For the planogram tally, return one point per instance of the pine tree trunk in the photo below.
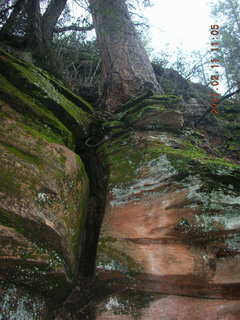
(126, 68)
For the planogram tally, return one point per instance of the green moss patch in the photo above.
(35, 115)
(27, 87)
(156, 110)
(22, 154)
(126, 156)
(8, 182)
(135, 111)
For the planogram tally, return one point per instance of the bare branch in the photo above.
(73, 28)
(229, 95)
(218, 103)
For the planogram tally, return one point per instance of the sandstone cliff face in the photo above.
(171, 222)
(44, 186)
(168, 195)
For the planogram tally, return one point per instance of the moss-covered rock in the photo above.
(43, 184)
(48, 126)
(44, 190)
(146, 110)
(159, 112)
(228, 125)
(43, 100)
(173, 206)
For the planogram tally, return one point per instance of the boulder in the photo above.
(44, 187)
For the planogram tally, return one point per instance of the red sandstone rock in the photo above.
(166, 221)
(176, 308)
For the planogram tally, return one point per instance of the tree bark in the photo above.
(126, 68)
(50, 18)
(34, 35)
(37, 30)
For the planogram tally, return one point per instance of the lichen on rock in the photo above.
(44, 186)
(172, 206)
(20, 304)
(44, 191)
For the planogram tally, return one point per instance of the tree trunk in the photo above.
(38, 32)
(126, 68)
(34, 35)
(50, 18)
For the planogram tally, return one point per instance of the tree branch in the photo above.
(12, 19)
(51, 16)
(73, 28)
(229, 95)
(218, 103)
(6, 9)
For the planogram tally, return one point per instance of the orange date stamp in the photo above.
(215, 64)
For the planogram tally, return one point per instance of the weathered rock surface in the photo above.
(44, 187)
(19, 304)
(43, 101)
(44, 191)
(170, 234)
(172, 219)
(127, 307)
